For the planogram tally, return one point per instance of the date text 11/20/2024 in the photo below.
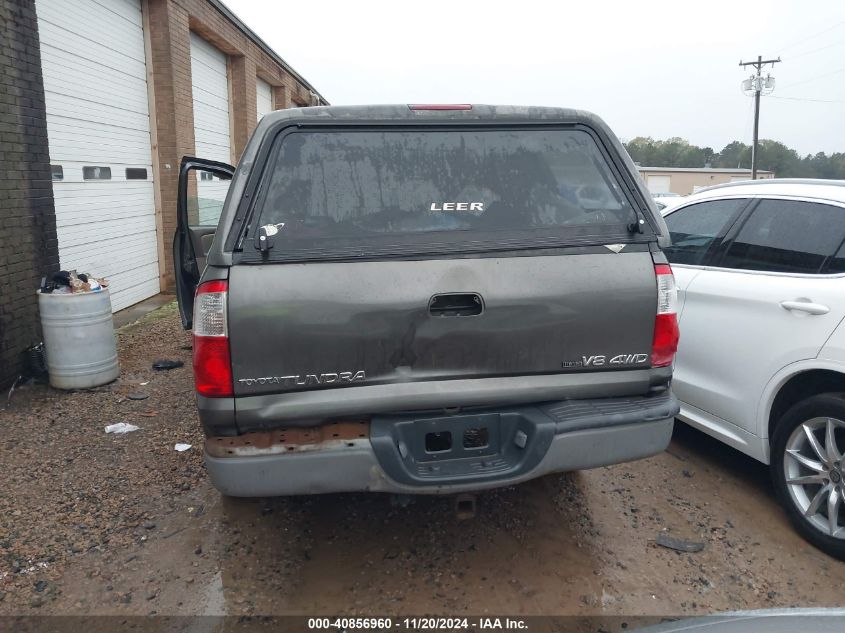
(417, 624)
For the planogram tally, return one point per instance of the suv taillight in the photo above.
(665, 342)
(212, 361)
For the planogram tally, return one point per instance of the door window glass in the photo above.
(206, 193)
(694, 229)
(787, 236)
(836, 264)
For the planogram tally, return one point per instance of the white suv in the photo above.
(760, 270)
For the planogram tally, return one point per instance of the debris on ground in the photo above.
(127, 528)
(182, 447)
(138, 396)
(167, 364)
(121, 427)
(677, 544)
(74, 497)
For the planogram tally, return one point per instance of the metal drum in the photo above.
(79, 339)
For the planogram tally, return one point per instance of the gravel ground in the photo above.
(70, 490)
(105, 524)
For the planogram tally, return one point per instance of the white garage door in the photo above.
(98, 126)
(210, 87)
(263, 98)
(659, 184)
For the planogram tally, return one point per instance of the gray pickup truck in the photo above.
(424, 299)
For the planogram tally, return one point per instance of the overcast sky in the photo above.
(653, 68)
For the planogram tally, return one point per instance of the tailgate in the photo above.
(379, 255)
(327, 325)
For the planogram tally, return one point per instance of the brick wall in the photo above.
(28, 244)
(170, 24)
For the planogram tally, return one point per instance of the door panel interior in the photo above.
(201, 238)
(202, 190)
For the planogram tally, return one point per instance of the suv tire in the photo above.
(820, 467)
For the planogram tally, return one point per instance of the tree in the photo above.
(734, 155)
(641, 149)
(779, 158)
(673, 152)
(773, 156)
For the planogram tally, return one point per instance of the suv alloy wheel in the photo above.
(808, 469)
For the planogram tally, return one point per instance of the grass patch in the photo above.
(166, 311)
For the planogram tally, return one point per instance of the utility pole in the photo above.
(757, 82)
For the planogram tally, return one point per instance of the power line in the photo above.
(813, 100)
(816, 50)
(810, 37)
(805, 81)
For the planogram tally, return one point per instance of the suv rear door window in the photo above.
(694, 229)
(787, 236)
(415, 187)
(836, 264)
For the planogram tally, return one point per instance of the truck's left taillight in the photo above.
(666, 335)
(212, 360)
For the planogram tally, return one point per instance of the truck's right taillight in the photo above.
(212, 360)
(666, 334)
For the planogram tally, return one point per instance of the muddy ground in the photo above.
(92, 523)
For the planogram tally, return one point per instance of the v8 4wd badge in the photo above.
(619, 359)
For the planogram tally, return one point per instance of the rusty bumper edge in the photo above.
(288, 440)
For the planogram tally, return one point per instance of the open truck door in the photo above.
(203, 185)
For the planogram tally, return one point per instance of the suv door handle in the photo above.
(805, 306)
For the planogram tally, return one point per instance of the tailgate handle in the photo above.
(456, 304)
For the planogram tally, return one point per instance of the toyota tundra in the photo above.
(424, 299)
